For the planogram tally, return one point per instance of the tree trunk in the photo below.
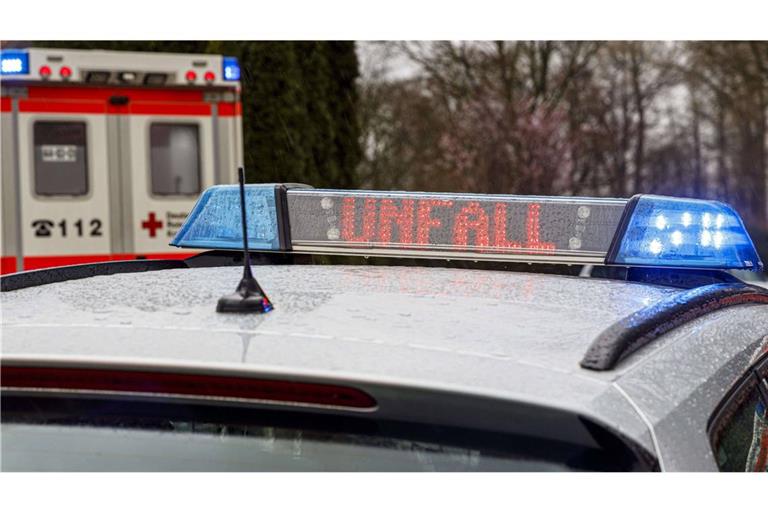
(698, 185)
(639, 98)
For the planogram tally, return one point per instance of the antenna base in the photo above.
(248, 298)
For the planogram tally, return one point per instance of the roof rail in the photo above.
(641, 327)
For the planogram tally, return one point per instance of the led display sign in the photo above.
(477, 226)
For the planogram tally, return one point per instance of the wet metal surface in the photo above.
(513, 335)
(394, 320)
(679, 384)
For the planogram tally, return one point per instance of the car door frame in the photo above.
(754, 377)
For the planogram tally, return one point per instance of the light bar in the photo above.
(644, 231)
(215, 223)
(670, 232)
(230, 69)
(14, 62)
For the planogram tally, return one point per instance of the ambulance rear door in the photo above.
(170, 150)
(64, 178)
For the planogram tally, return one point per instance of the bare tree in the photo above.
(552, 117)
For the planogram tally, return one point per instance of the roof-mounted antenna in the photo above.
(248, 297)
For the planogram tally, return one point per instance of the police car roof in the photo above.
(448, 336)
(388, 321)
(500, 331)
(430, 341)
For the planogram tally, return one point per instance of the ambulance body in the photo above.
(104, 153)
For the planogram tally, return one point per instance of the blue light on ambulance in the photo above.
(14, 63)
(215, 221)
(672, 232)
(231, 69)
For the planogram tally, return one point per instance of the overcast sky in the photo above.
(377, 59)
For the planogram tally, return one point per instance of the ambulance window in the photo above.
(61, 158)
(175, 159)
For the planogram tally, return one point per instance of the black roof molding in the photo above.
(32, 278)
(643, 326)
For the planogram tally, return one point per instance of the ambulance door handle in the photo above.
(119, 100)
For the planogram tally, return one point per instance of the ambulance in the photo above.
(104, 153)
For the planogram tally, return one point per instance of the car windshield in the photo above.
(119, 436)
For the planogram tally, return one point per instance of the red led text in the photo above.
(441, 222)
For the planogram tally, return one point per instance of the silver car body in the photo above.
(452, 346)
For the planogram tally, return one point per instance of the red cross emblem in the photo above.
(152, 224)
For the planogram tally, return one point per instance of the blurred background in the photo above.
(527, 117)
